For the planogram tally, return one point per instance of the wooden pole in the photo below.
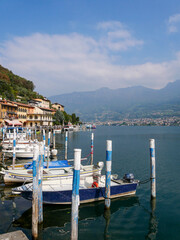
(153, 168)
(40, 175)
(108, 174)
(35, 194)
(75, 194)
(48, 148)
(3, 131)
(92, 147)
(14, 148)
(66, 142)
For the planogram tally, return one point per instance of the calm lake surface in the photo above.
(129, 218)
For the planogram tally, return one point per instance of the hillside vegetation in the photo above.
(12, 85)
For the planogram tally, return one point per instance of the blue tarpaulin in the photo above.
(52, 164)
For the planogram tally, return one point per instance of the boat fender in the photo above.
(95, 185)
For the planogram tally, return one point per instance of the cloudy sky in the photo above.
(82, 45)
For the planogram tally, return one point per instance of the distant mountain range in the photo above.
(133, 102)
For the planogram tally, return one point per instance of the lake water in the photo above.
(129, 218)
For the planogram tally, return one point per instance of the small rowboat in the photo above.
(60, 192)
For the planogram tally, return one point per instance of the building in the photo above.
(36, 113)
(8, 111)
(38, 116)
(22, 112)
(45, 103)
(58, 106)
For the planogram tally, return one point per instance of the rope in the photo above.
(102, 192)
(88, 155)
(145, 181)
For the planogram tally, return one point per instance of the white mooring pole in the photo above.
(48, 149)
(66, 142)
(40, 176)
(14, 148)
(92, 147)
(54, 139)
(35, 194)
(108, 174)
(153, 168)
(75, 194)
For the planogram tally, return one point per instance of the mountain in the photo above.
(132, 102)
(12, 85)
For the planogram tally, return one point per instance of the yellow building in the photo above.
(38, 116)
(8, 111)
(22, 112)
(58, 106)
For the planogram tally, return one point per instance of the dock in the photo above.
(17, 235)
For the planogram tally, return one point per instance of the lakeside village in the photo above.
(42, 113)
(162, 121)
(37, 113)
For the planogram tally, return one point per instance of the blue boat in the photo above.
(54, 193)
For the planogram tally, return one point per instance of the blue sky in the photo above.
(82, 45)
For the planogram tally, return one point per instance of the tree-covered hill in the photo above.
(12, 85)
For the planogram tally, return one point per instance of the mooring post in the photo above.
(3, 131)
(153, 168)
(48, 148)
(44, 137)
(108, 174)
(40, 176)
(30, 134)
(75, 194)
(92, 147)
(14, 148)
(54, 144)
(66, 142)
(35, 194)
(35, 135)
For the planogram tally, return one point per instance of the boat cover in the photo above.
(52, 164)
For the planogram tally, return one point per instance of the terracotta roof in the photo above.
(8, 103)
(48, 109)
(23, 104)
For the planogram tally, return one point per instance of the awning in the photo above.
(13, 122)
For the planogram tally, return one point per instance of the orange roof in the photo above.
(48, 109)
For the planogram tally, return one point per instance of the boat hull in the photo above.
(86, 195)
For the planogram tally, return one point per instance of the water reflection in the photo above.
(107, 217)
(58, 216)
(153, 223)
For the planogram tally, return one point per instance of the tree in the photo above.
(73, 118)
(58, 117)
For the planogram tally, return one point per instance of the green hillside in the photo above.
(12, 85)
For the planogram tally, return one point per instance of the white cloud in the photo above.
(174, 23)
(66, 63)
(117, 37)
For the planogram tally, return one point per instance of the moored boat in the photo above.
(61, 192)
(26, 175)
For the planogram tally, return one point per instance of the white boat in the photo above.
(68, 128)
(25, 175)
(90, 190)
(58, 130)
(25, 151)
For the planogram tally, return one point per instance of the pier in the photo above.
(17, 235)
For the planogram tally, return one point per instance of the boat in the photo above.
(61, 192)
(9, 132)
(58, 130)
(23, 151)
(68, 128)
(13, 176)
(90, 126)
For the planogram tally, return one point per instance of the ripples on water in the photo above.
(129, 218)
